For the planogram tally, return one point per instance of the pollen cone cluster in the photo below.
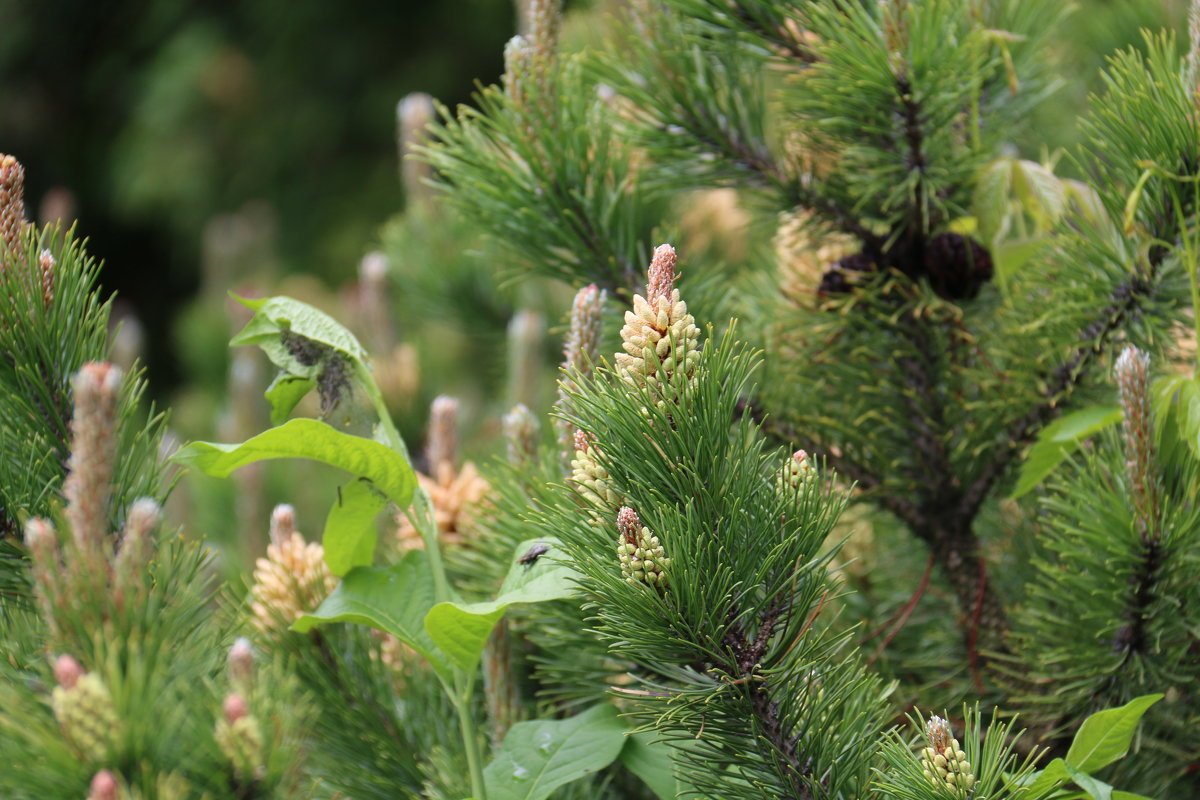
(804, 258)
(456, 496)
(660, 337)
(591, 478)
(642, 557)
(798, 471)
(84, 708)
(240, 738)
(292, 580)
(943, 761)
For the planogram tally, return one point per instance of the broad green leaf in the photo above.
(284, 393)
(992, 197)
(309, 438)
(651, 761)
(350, 532)
(1120, 795)
(1105, 736)
(393, 599)
(1011, 256)
(1059, 439)
(1041, 191)
(1054, 774)
(276, 315)
(539, 756)
(1095, 788)
(462, 629)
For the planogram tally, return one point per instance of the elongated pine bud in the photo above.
(137, 538)
(46, 263)
(12, 208)
(42, 541)
(93, 453)
(442, 445)
(413, 115)
(241, 662)
(521, 435)
(581, 350)
(1132, 373)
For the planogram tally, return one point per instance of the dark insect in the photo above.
(533, 554)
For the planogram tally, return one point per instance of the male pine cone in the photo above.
(660, 337)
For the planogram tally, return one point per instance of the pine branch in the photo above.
(1059, 386)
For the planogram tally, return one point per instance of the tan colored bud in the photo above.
(12, 205)
(241, 661)
(521, 435)
(46, 263)
(93, 454)
(283, 523)
(442, 447)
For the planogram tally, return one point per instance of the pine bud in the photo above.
(442, 446)
(797, 472)
(42, 541)
(86, 713)
(526, 346)
(241, 661)
(413, 115)
(660, 337)
(641, 555)
(283, 523)
(373, 300)
(1132, 373)
(580, 353)
(518, 60)
(591, 478)
(137, 540)
(46, 263)
(521, 435)
(103, 786)
(12, 206)
(93, 453)
(943, 761)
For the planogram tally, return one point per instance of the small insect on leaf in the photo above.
(533, 554)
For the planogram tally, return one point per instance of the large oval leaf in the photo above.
(462, 629)
(537, 757)
(1105, 736)
(393, 599)
(309, 438)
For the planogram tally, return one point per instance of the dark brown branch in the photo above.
(1059, 386)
